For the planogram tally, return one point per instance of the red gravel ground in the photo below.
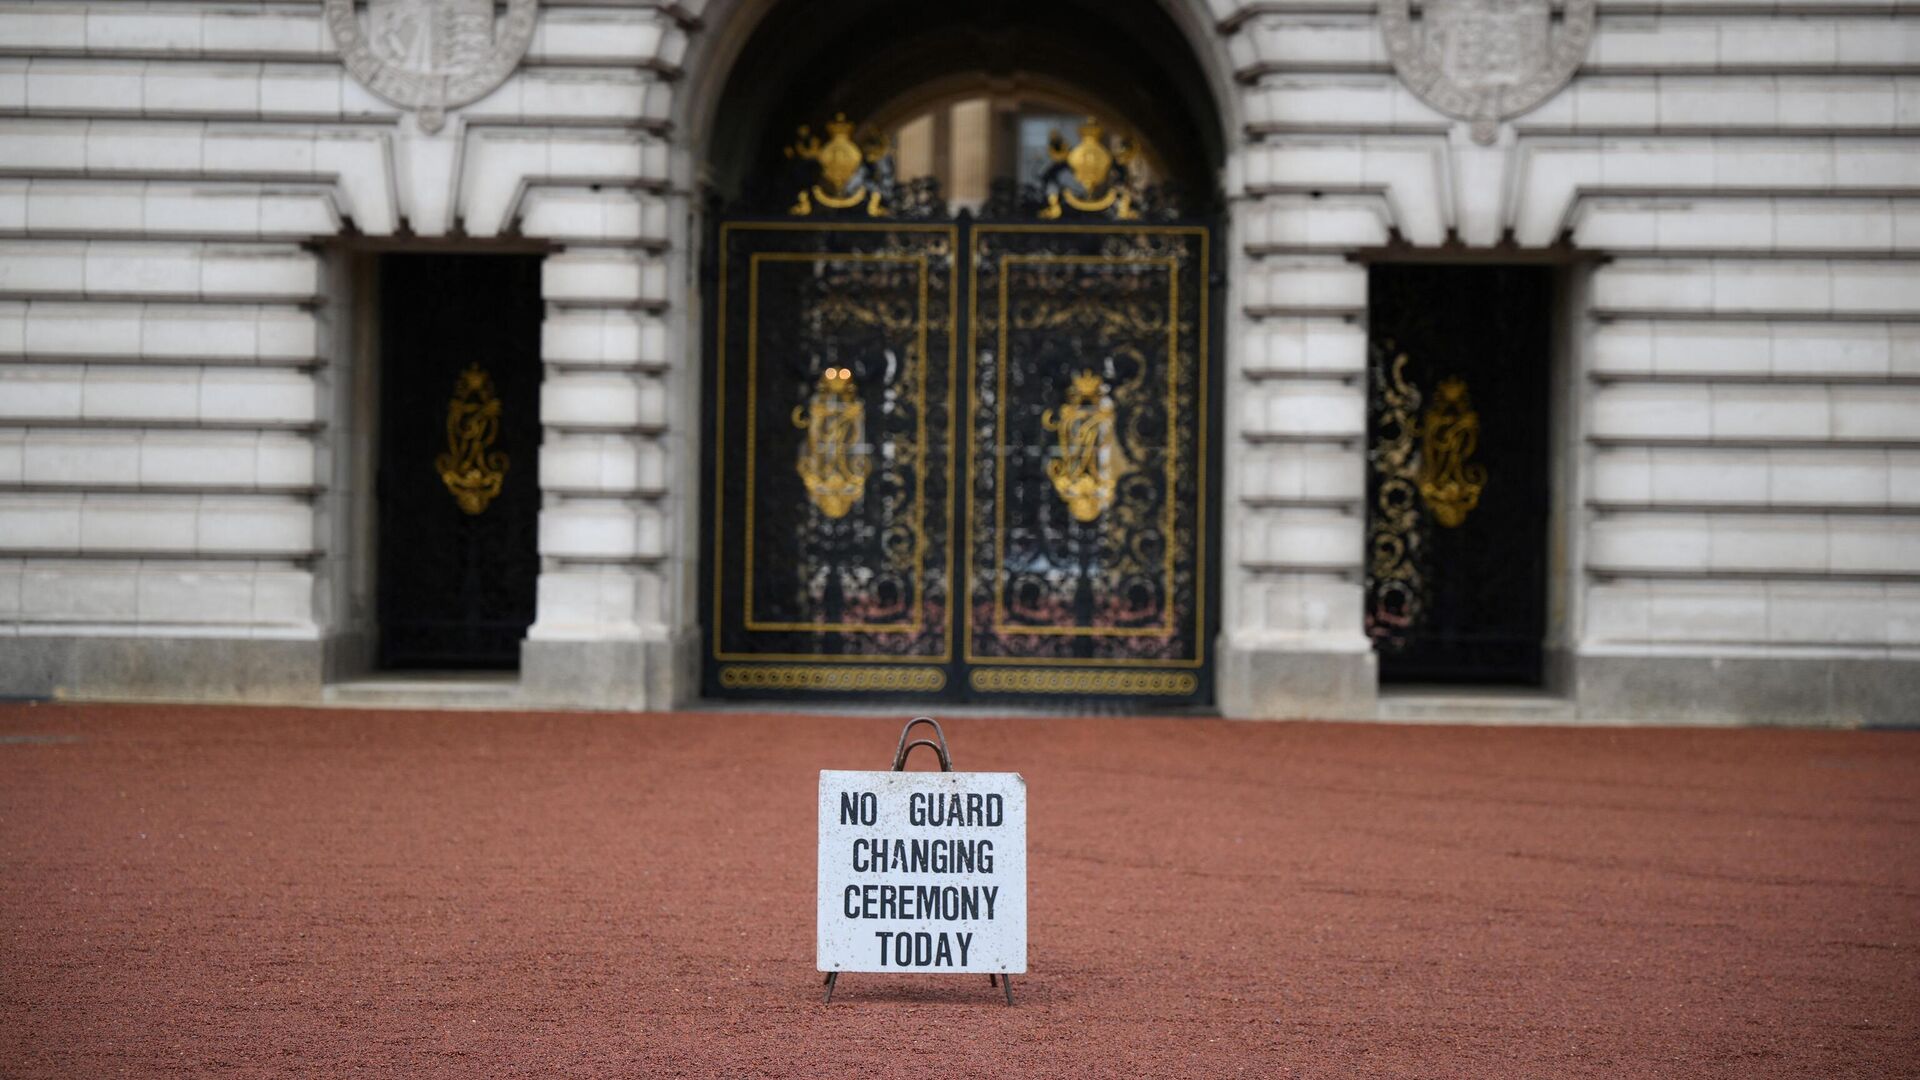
(253, 892)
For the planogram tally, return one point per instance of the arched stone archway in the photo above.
(805, 62)
(1185, 31)
(801, 64)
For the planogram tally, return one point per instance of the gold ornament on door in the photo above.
(834, 460)
(472, 472)
(1450, 485)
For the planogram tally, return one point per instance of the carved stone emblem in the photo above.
(1486, 60)
(431, 55)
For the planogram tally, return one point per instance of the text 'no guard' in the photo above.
(923, 872)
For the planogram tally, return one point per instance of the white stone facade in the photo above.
(1737, 424)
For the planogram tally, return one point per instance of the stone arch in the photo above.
(755, 69)
(1198, 100)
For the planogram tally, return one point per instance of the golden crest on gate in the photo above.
(1089, 462)
(849, 170)
(1095, 176)
(472, 471)
(1449, 434)
(834, 460)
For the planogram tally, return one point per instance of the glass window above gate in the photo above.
(970, 139)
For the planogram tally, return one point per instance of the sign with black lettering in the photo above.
(923, 871)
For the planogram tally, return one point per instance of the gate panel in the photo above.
(832, 458)
(1086, 501)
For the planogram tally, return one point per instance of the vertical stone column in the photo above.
(604, 523)
(1291, 643)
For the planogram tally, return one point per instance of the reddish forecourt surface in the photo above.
(253, 892)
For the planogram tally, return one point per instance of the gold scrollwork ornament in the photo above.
(472, 472)
(1450, 485)
(834, 460)
(1395, 581)
(846, 169)
(1092, 167)
(1090, 461)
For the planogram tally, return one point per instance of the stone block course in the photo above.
(1290, 346)
(581, 214)
(1307, 537)
(588, 601)
(604, 464)
(602, 337)
(598, 529)
(1301, 473)
(602, 276)
(1317, 285)
(1302, 408)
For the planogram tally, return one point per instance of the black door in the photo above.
(1457, 483)
(962, 460)
(458, 476)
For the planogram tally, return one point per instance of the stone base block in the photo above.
(349, 655)
(1797, 691)
(1290, 684)
(161, 668)
(612, 675)
(673, 671)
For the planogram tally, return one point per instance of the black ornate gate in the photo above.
(1457, 488)
(458, 483)
(957, 458)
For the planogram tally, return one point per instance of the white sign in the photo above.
(923, 872)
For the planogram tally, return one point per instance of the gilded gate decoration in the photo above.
(472, 471)
(852, 174)
(1090, 460)
(1457, 505)
(834, 461)
(1089, 176)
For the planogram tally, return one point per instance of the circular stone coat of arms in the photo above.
(1486, 60)
(431, 55)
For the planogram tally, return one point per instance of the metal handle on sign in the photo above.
(900, 753)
